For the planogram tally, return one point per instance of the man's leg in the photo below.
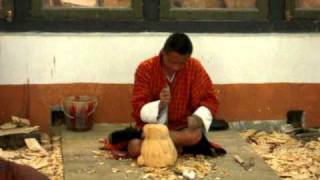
(134, 147)
(185, 137)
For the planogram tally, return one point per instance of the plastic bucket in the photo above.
(78, 111)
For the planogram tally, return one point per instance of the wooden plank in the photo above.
(20, 121)
(22, 130)
(34, 145)
(14, 141)
(8, 125)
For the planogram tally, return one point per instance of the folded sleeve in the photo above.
(205, 115)
(149, 112)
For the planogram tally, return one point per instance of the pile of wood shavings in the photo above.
(50, 165)
(199, 164)
(289, 157)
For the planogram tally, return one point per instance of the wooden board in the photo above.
(22, 130)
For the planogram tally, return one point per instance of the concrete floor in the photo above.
(80, 163)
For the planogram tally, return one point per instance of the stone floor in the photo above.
(81, 164)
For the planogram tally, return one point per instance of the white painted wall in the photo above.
(46, 58)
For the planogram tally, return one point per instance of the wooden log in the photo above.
(8, 125)
(23, 130)
(21, 122)
(14, 138)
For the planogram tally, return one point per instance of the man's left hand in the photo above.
(194, 122)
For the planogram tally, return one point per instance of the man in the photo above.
(173, 89)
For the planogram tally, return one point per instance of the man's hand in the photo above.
(165, 97)
(194, 122)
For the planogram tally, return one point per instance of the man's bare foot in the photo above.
(134, 147)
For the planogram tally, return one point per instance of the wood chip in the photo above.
(133, 164)
(289, 157)
(146, 176)
(129, 171)
(114, 170)
(50, 165)
(22, 122)
(55, 138)
(8, 125)
(97, 153)
(8, 154)
(34, 145)
(22, 130)
(40, 165)
(91, 171)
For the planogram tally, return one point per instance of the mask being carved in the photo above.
(157, 149)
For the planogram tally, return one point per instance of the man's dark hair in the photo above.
(178, 42)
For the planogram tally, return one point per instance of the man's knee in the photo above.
(186, 137)
(134, 147)
(194, 136)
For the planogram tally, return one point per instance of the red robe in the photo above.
(190, 89)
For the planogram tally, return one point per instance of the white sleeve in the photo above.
(205, 115)
(149, 112)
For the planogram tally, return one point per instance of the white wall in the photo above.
(46, 58)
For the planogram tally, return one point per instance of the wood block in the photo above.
(15, 141)
(34, 145)
(8, 125)
(21, 122)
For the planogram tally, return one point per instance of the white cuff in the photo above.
(205, 115)
(149, 112)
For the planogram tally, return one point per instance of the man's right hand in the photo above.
(165, 97)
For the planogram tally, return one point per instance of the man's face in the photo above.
(174, 61)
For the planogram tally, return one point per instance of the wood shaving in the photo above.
(199, 164)
(33, 145)
(114, 170)
(289, 157)
(22, 122)
(8, 125)
(50, 164)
